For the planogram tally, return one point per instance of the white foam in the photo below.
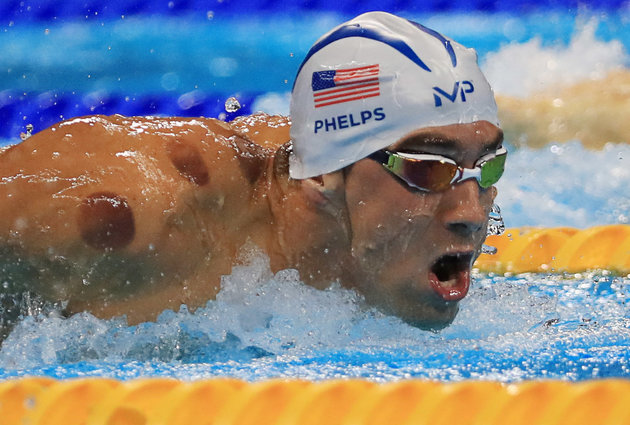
(566, 185)
(520, 69)
(263, 325)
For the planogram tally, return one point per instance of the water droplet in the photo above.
(487, 249)
(29, 131)
(29, 403)
(496, 226)
(232, 104)
(170, 81)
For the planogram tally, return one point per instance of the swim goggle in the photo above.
(435, 173)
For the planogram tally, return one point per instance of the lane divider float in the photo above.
(163, 401)
(558, 250)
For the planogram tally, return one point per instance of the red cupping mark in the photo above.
(188, 162)
(106, 221)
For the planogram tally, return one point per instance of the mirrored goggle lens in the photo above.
(432, 175)
(492, 170)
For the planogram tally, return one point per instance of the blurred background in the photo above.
(61, 59)
(560, 71)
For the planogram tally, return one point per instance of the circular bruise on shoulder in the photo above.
(106, 221)
(188, 162)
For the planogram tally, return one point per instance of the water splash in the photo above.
(566, 185)
(496, 226)
(521, 69)
(232, 104)
(487, 249)
(29, 132)
(265, 325)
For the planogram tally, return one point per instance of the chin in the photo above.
(433, 318)
(413, 301)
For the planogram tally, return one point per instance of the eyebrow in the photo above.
(441, 144)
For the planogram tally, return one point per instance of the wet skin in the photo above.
(131, 216)
(400, 232)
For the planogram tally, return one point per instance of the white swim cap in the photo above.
(374, 79)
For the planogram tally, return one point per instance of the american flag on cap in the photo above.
(345, 85)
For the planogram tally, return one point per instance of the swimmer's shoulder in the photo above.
(268, 131)
(116, 132)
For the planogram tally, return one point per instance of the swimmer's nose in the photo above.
(463, 210)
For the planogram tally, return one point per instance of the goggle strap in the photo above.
(380, 156)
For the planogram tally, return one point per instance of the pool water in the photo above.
(261, 326)
(509, 328)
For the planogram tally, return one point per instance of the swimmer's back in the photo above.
(142, 159)
(113, 204)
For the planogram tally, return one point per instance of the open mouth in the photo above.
(450, 275)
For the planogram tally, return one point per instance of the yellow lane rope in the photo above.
(159, 401)
(557, 250)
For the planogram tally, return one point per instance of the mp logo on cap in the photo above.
(463, 88)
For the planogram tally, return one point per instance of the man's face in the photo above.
(415, 248)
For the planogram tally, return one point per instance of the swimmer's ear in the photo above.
(328, 194)
(326, 191)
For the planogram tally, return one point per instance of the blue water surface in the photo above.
(509, 329)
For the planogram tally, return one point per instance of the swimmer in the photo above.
(382, 180)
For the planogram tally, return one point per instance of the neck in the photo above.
(309, 233)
